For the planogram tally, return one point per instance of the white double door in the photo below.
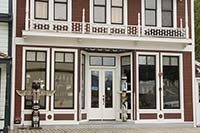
(101, 94)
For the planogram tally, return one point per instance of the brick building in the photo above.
(83, 48)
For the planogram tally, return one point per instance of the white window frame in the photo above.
(51, 11)
(29, 111)
(159, 13)
(65, 111)
(108, 12)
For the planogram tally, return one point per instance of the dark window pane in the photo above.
(64, 85)
(167, 5)
(128, 100)
(171, 89)
(108, 89)
(167, 18)
(99, 14)
(150, 4)
(83, 82)
(147, 86)
(35, 70)
(95, 89)
(150, 17)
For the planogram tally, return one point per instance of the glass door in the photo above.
(101, 94)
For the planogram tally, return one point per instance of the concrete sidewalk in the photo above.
(104, 127)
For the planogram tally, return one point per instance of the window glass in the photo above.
(126, 70)
(95, 89)
(150, 60)
(64, 84)
(147, 85)
(150, 18)
(99, 14)
(60, 11)
(166, 61)
(109, 61)
(59, 57)
(171, 87)
(167, 4)
(142, 60)
(41, 56)
(167, 13)
(99, 2)
(117, 2)
(117, 14)
(96, 61)
(35, 70)
(41, 9)
(150, 4)
(69, 57)
(83, 82)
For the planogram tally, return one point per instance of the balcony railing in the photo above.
(107, 29)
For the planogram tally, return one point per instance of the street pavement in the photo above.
(114, 127)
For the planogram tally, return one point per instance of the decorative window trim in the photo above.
(54, 11)
(74, 110)
(159, 13)
(171, 11)
(103, 6)
(47, 1)
(118, 7)
(149, 9)
(108, 12)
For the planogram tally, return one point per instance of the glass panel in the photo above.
(41, 9)
(83, 82)
(35, 71)
(117, 3)
(147, 86)
(142, 60)
(117, 15)
(167, 5)
(171, 90)
(64, 85)
(100, 2)
(167, 19)
(199, 92)
(95, 89)
(150, 4)
(126, 60)
(150, 60)
(59, 57)
(109, 61)
(69, 57)
(126, 70)
(174, 61)
(166, 61)
(99, 14)
(60, 0)
(108, 89)
(31, 56)
(150, 17)
(41, 56)
(61, 11)
(96, 61)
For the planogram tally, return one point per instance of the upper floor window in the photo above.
(167, 13)
(60, 9)
(159, 13)
(41, 9)
(100, 11)
(150, 12)
(108, 11)
(117, 11)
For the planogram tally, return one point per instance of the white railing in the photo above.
(107, 29)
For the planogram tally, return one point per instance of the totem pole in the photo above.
(124, 102)
(37, 91)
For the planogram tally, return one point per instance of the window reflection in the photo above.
(95, 89)
(147, 82)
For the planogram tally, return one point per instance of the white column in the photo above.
(186, 19)
(139, 23)
(83, 21)
(27, 15)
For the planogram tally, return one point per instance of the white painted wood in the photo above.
(4, 37)
(4, 8)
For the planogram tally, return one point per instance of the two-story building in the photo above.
(83, 48)
(5, 62)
